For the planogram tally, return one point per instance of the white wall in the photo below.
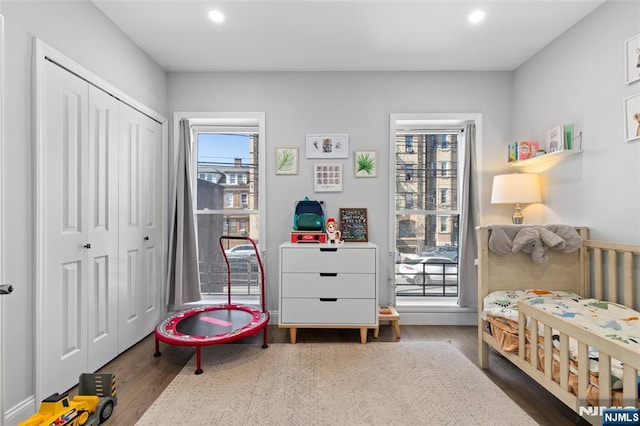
(81, 32)
(356, 103)
(579, 78)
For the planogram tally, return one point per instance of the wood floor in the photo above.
(141, 378)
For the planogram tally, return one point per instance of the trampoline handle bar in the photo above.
(260, 266)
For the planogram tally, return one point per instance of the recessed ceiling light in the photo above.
(216, 16)
(477, 16)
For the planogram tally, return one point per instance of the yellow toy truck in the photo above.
(92, 406)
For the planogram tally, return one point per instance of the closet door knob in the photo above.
(87, 246)
(146, 238)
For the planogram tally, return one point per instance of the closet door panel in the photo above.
(152, 214)
(140, 230)
(64, 234)
(103, 228)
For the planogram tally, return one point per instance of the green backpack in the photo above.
(309, 216)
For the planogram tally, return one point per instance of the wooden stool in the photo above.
(388, 313)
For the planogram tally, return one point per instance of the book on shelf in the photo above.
(568, 136)
(555, 139)
(522, 150)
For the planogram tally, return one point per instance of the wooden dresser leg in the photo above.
(363, 335)
(292, 335)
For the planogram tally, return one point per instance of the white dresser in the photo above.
(328, 286)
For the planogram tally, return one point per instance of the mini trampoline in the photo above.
(216, 324)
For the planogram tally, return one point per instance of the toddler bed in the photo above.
(546, 297)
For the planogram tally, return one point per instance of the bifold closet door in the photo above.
(102, 267)
(140, 283)
(78, 239)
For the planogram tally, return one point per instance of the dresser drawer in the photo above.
(354, 286)
(328, 259)
(331, 311)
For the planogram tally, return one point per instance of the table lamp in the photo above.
(516, 188)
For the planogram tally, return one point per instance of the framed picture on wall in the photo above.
(365, 164)
(286, 161)
(632, 59)
(327, 177)
(327, 146)
(632, 117)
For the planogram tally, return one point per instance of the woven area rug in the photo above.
(334, 384)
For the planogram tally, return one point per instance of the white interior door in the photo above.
(100, 248)
(81, 229)
(2, 392)
(102, 265)
(140, 225)
(65, 236)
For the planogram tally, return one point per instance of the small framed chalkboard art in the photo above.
(353, 225)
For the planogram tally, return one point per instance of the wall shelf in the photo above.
(546, 157)
(539, 159)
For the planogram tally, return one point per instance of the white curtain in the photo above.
(468, 275)
(184, 282)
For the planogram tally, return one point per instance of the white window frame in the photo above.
(434, 120)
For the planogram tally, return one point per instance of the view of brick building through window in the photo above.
(427, 215)
(226, 197)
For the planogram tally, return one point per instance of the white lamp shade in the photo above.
(516, 188)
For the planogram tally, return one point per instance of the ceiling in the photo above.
(346, 35)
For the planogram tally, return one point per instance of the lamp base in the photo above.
(517, 217)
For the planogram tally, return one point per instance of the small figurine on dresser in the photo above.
(334, 236)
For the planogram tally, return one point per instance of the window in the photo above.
(408, 145)
(408, 172)
(228, 152)
(426, 207)
(408, 201)
(228, 200)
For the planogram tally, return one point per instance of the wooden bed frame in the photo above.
(602, 270)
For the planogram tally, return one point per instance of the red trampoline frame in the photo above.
(167, 330)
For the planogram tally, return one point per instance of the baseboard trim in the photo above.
(21, 411)
(438, 318)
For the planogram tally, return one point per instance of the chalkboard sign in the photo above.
(353, 225)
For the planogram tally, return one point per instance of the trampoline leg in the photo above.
(157, 353)
(198, 369)
(264, 338)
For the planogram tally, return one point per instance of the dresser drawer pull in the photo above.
(328, 248)
(328, 299)
(328, 274)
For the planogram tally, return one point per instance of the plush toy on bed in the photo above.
(334, 236)
(534, 240)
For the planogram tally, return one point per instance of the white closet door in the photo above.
(102, 266)
(65, 230)
(140, 270)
